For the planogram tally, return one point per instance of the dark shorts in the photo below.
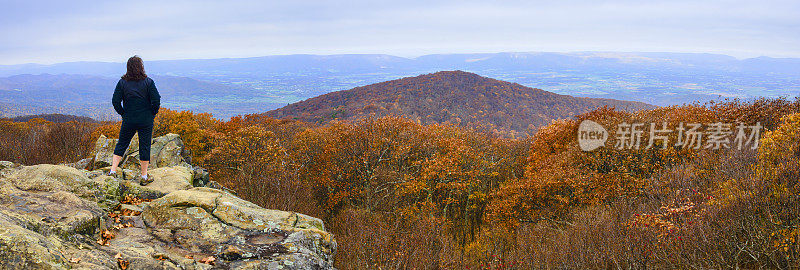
(126, 132)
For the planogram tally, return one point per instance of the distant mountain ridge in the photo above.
(52, 117)
(371, 62)
(651, 77)
(456, 97)
(90, 95)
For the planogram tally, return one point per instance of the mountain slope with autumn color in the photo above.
(455, 97)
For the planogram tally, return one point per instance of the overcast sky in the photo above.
(61, 31)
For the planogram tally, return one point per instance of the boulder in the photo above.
(165, 151)
(53, 178)
(59, 213)
(169, 179)
(201, 177)
(47, 177)
(93, 186)
(103, 152)
(41, 220)
(216, 223)
(8, 167)
(231, 210)
(165, 180)
(80, 164)
(21, 248)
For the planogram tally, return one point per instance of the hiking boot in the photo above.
(142, 181)
(114, 174)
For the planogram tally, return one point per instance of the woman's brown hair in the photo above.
(135, 69)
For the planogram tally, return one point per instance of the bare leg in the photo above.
(115, 162)
(144, 165)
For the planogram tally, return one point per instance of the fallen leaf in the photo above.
(208, 260)
(123, 264)
(131, 199)
(75, 260)
(104, 236)
(107, 234)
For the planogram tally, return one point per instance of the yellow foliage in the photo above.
(250, 150)
(196, 130)
(110, 130)
(779, 156)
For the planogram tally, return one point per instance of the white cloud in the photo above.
(52, 31)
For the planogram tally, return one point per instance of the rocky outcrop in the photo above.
(68, 217)
(165, 151)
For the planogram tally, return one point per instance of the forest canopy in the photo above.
(398, 192)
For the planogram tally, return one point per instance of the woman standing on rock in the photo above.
(137, 100)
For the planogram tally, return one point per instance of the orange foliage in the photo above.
(411, 192)
(196, 130)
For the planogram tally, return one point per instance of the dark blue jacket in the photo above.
(140, 99)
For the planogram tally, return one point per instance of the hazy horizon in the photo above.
(125, 58)
(48, 32)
